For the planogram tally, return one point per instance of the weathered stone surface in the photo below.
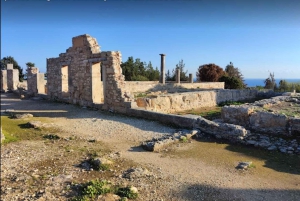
(256, 117)
(268, 122)
(22, 116)
(158, 144)
(196, 99)
(236, 114)
(294, 126)
(234, 133)
(244, 165)
(134, 173)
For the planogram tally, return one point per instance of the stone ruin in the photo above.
(9, 78)
(86, 76)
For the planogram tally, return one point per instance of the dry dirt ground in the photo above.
(43, 169)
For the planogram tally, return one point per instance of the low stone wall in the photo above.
(143, 86)
(191, 100)
(255, 117)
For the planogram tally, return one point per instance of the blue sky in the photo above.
(258, 36)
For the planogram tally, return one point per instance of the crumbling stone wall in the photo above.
(143, 86)
(35, 82)
(192, 100)
(75, 76)
(255, 117)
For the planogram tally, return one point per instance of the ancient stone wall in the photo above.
(138, 86)
(75, 76)
(192, 100)
(256, 117)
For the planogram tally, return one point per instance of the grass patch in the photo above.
(14, 130)
(90, 190)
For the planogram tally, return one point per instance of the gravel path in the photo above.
(176, 178)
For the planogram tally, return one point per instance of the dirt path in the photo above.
(187, 171)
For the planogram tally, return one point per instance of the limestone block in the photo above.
(236, 114)
(268, 122)
(221, 130)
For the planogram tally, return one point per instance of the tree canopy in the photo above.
(135, 70)
(233, 78)
(209, 73)
(270, 82)
(11, 60)
(183, 74)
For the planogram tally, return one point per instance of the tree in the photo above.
(139, 71)
(231, 82)
(283, 85)
(183, 76)
(209, 73)
(270, 82)
(231, 71)
(29, 64)
(11, 60)
(168, 76)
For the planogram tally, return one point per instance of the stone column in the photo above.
(162, 69)
(191, 78)
(12, 78)
(178, 75)
(32, 81)
(4, 80)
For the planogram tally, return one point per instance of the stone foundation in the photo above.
(169, 103)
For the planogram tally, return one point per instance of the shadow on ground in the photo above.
(207, 192)
(272, 159)
(45, 108)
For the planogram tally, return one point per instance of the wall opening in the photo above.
(65, 81)
(97, 84)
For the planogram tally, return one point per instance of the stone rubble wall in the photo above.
(143, 86)
(254, 117)
(191, 100)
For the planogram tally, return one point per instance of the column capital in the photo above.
(162, 54)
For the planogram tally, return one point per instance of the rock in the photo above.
(231, 132)
(98, 162)
(21, 116)
(272, 148)
(133, 189)
(283, 150)
(34, 124)
(243, 165)
(108, 197)
(134, 173)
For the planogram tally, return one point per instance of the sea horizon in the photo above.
(253, 82)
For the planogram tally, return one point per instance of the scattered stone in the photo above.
(158, 144)
(134, 173)
(243, 165)
(21, 116)
(34, 124)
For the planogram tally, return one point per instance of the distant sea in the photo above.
(253, 82)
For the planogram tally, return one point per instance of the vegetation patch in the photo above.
(90, 190)
(15, 130)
